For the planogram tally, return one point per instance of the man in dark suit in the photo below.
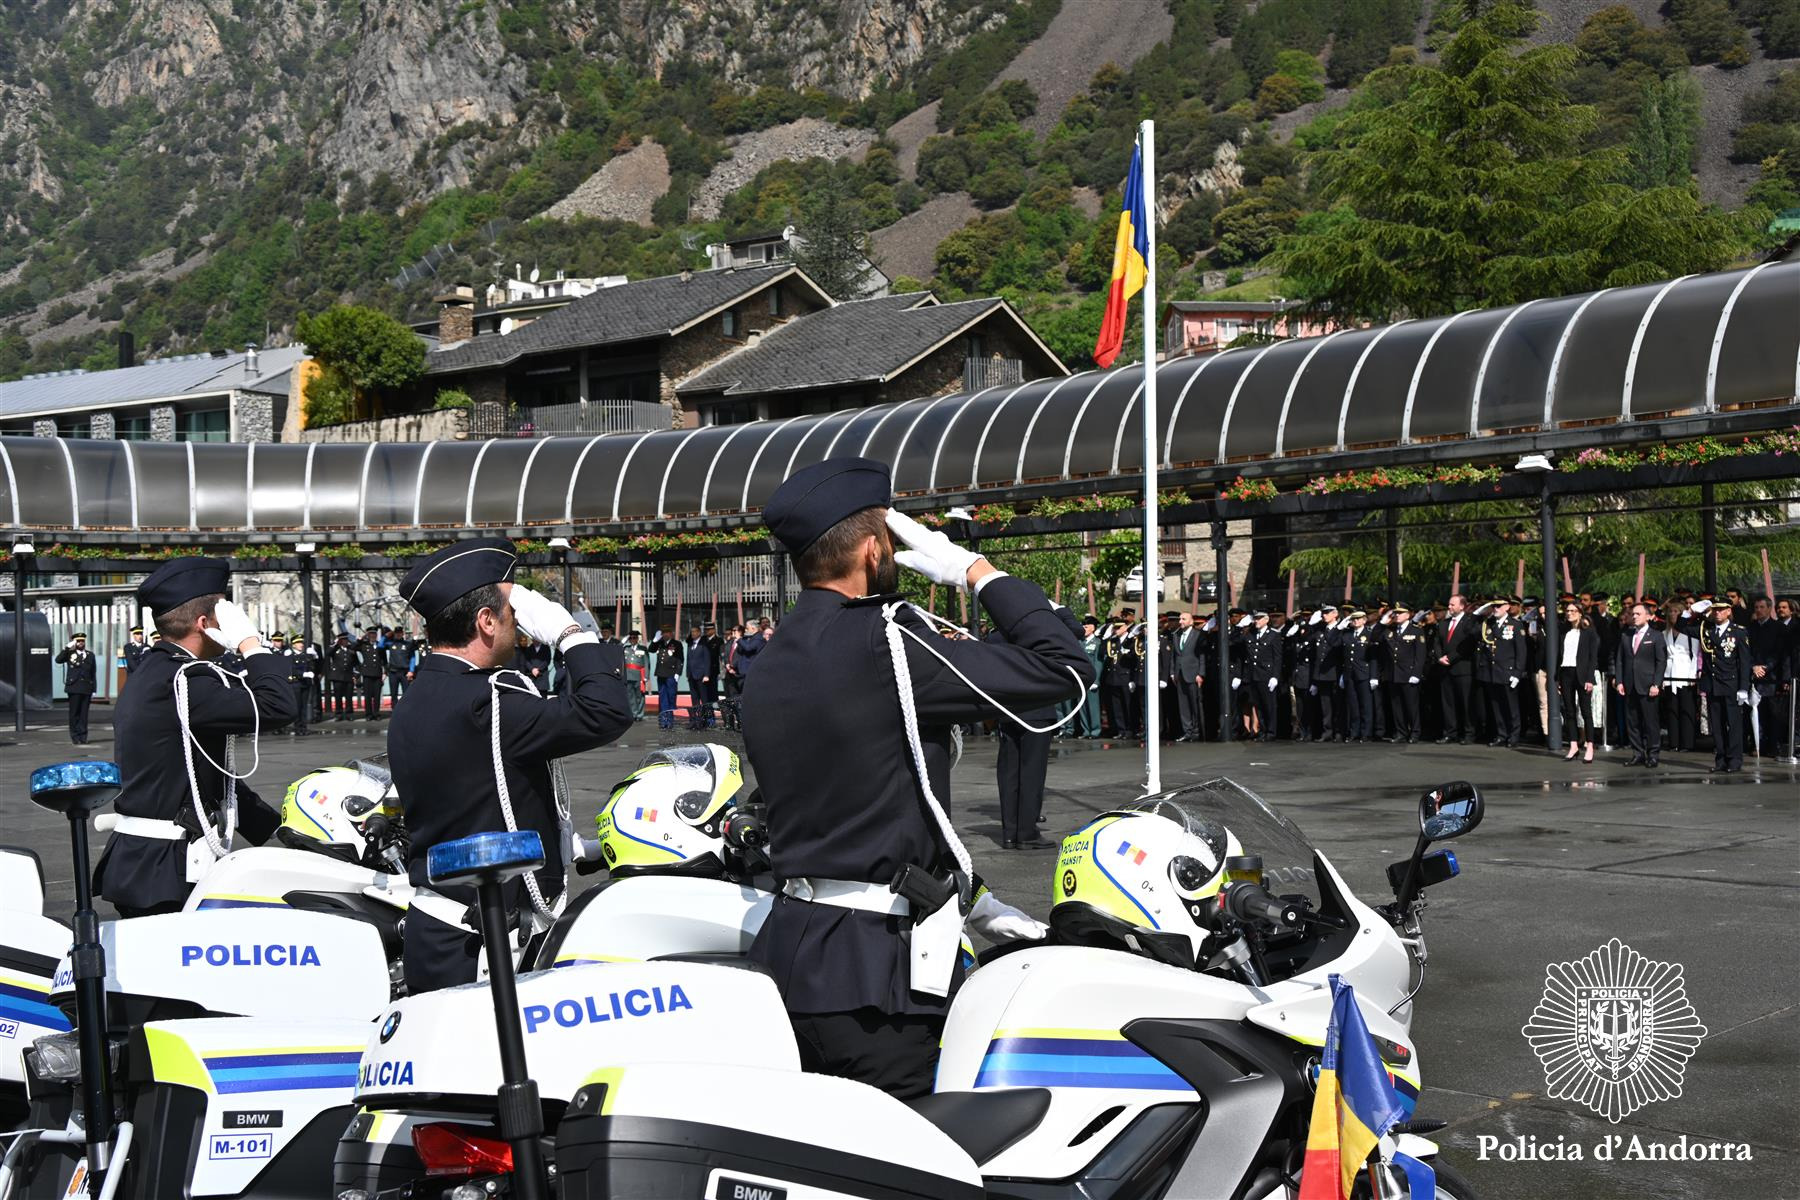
(1456, 655)
(702, 670)
(1190, 676)
(1767, 643)
(1643, 659)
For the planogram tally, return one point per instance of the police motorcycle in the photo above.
(1163, 1042)
(203, 1053)
(29, 949)
(340, 850)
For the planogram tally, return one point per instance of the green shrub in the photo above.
(448, 398)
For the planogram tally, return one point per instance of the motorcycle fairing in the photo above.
(29, 953)
(262, 876)
(655, 913)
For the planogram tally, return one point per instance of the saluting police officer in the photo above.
(863, 939)
(1499, 665)
(134, 650)
(1725, 681)
(1406, 671)
(170, 730)
(79, 680)
(440, 746)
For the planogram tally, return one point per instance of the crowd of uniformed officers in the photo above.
(1642, 673)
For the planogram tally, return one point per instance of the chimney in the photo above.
(686, 274)
(250, 361)
(127, 349)
(456, 320)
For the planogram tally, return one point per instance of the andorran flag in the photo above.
(1130, 251)
(1355, 1104)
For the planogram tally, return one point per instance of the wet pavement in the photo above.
(1683, 866)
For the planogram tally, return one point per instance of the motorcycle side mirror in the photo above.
(1449, 811)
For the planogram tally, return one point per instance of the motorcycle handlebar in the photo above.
(1250, 903)
(376, 828)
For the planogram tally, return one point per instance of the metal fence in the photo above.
(696, 585)
(981, 373)
(549, 420)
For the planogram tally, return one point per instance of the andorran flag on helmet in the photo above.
(1131, 250)
(1354, 1106)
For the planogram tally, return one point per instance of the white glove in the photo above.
(1743, 697)
(1373, 684)
(1212, 623)
(1412, 679)
(1512, 681)
(931, 553)
(1313, 690)
(1271, 685)
(1245, 622)
(542, 618)
(1236, 683)
(1315, 618)
(232, 627)
(998, 921)
(1292, 630)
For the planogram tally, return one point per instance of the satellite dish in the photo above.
(506, 326)
(534, 274)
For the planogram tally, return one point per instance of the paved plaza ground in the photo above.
(1683, 866)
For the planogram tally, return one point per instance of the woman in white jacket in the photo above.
(1680, 695)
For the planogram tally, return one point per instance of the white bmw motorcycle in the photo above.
(1126, 1057)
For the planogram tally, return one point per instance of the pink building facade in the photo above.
(1208, 326)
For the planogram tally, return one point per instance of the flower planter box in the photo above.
(1740, 468)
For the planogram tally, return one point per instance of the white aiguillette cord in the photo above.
(909, 715)
(545, 910)
(219, 845)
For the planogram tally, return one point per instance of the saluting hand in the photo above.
(932, 554)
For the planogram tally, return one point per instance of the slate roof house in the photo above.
(225, 396)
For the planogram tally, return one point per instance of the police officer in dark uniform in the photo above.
(399, 656)
(340, 669)
(134, 650)
(863, 939)
(1263, 673)
(1362, 677)
(1119, 681)
(79, 680)
(1323, 693)
(161, 844)
(1725, 680)
(440, 743)
(371, 669)
(303, 667)
(1405, 672)
(1499, 665)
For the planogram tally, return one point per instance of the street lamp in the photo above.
(306, 550)
(1539, 465)
(20, 552)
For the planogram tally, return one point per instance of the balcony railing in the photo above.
(551, 420)
(981, 373)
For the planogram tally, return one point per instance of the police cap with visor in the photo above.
(179, 580)
(809, 502)
(445, 576)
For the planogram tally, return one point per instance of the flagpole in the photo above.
(1152, 526)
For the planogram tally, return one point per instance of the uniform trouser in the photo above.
(303, 699)
(1406, 708)
(1360, 699)
(1263, 697)
(1118, 709)
(1681, 716)
(1458, 719)
(78, 715)
(894, 1052)
(700, 698)
(1023, 761)
(1321, 709)
(634, 695)
(340, 698)
(1641, 724)
(396, 685)
(1577, 725)
(665, 701)
(1187, 700)
(1089, 720)
(1726, 716)
(436, 955)
(1503, 710)
(371, 691)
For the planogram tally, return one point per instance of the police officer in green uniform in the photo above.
(851, 743)
(180, 804)
(1725, 681)
(472, 748)
(1094, 647)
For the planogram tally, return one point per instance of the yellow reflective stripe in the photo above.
(593, 958)
(612, 1077)
(1092, 1035)
(243, 896)
(30, 985)
(173, 1061)
(380, 1119)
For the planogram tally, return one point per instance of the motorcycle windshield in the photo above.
(1261, 830)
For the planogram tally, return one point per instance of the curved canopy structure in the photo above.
(1698, 354)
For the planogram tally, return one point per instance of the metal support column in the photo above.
(1552, 640)
(306, 600)
(1393, 554)
(781, 584)
(1709, 540)
(1222, 646)
(656, 596)
(18, 562)
(327, 635)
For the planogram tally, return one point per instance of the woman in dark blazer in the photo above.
(1576, 665)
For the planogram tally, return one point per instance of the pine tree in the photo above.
(1472, 185)
(833, 243)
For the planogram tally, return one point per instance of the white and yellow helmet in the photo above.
(328, 809)
(1141, 879)
(672, 809)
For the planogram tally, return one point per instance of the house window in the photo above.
(728, 323)
(735, 413)
(74, 427)
(132, 429)
(774, 302)
(1228, 331)
(213, 425)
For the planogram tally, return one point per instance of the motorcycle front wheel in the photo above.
(1450, 1185)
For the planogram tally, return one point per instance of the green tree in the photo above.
(1710, 32)
(363, 354)
(1662, 142)
(833, 246)
(1473, 186)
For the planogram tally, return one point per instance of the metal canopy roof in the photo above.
(1663, 360)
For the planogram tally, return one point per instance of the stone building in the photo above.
(225, 396)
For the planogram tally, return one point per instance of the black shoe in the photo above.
(1496, 741)
(1412, 741)
(1009, 845)
(1635, 760)
(1654, 763)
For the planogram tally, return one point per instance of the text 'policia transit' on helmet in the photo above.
(672, 809)
(1139, 878)
(329, 809)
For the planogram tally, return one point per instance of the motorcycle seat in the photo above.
(384, 917)
(985, 1123)
(713, 958)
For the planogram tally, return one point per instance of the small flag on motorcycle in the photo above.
(1355, 1104)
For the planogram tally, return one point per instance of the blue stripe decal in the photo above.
(345, 1079)
(46, 1015)
(229, 1062)
(297, 1071)
(640, 841)
(29, 995)
(1075, 1062)
(241, 904)
(1123, 891)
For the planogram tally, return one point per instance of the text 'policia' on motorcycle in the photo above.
(638, 1002)
(251, 956)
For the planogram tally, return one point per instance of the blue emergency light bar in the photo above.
(69, 775)
(485, 856)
